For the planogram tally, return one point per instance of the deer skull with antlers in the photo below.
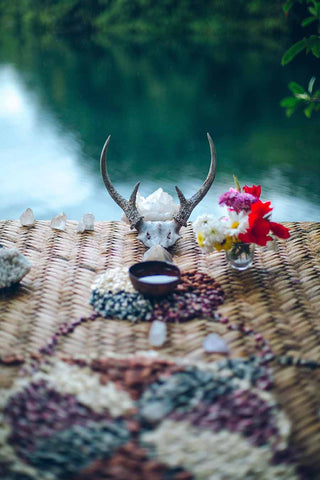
(163, 233)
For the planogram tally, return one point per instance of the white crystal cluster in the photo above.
(113, 280)
(13, 266)
(159, 206)
(214, 455)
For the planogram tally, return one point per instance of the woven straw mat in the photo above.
(279, 297)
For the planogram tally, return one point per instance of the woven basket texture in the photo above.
(279, 297)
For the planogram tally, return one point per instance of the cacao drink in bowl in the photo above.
(154, 278)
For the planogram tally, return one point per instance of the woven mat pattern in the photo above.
(279, 297)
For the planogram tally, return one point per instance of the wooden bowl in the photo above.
(154, 278)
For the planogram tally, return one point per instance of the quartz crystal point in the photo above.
(213, 343)
(86, 223)
(158, 333)
(13, 266)
(157, 252)
(27, 218)
(59, 222)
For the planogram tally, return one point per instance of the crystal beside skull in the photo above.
(157, 333)
(27, 218)
(86, 223)
(157, 252)
(13, 266)
(59, 222)
(213, 343)
(159, 206)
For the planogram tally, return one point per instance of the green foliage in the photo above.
(308, 100)
(163, 17)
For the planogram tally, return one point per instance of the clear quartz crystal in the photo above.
(27, 218)
(59, 222)
(157, 252)
(213, 343)
(158, 333)
(86, 223)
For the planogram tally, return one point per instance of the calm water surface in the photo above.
(58, 103)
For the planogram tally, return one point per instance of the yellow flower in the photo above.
(225, 245)
(200, 239)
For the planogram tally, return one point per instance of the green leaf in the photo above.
(288, 5)
(314, 43)
(296, 88)
(308, 110)
(290, 112)
(237, 184)
(308, 20)
(311, 83)
(313, 11)
(290, 102)
(293, 51)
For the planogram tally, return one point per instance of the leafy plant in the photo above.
(307, 99)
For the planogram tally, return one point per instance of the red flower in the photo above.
(257, 232)
(254, 190)
(259, 210)
(279, 230)
(260, 226)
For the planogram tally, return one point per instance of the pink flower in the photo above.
(237, 201)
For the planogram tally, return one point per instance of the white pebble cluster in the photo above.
(214, 456)
(113, 280)
(83, 383)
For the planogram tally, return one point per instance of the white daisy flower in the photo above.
(236, 223)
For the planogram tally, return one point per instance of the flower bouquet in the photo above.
(246, 224)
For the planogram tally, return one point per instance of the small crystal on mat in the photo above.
(59, 222)
(213, 343)
(157, 252)
(27, 218)
(158, 333)
(86, 223)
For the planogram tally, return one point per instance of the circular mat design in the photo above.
(143, 417)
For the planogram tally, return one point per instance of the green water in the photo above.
(59, 100)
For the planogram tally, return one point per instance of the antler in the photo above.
(128, 206)
(187, 205)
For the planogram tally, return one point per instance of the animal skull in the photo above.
(164, 233)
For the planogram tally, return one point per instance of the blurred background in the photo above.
(156, 76)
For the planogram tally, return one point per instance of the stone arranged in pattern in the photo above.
(46, 432)
(197, 296)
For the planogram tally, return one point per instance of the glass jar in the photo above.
(240, 255)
